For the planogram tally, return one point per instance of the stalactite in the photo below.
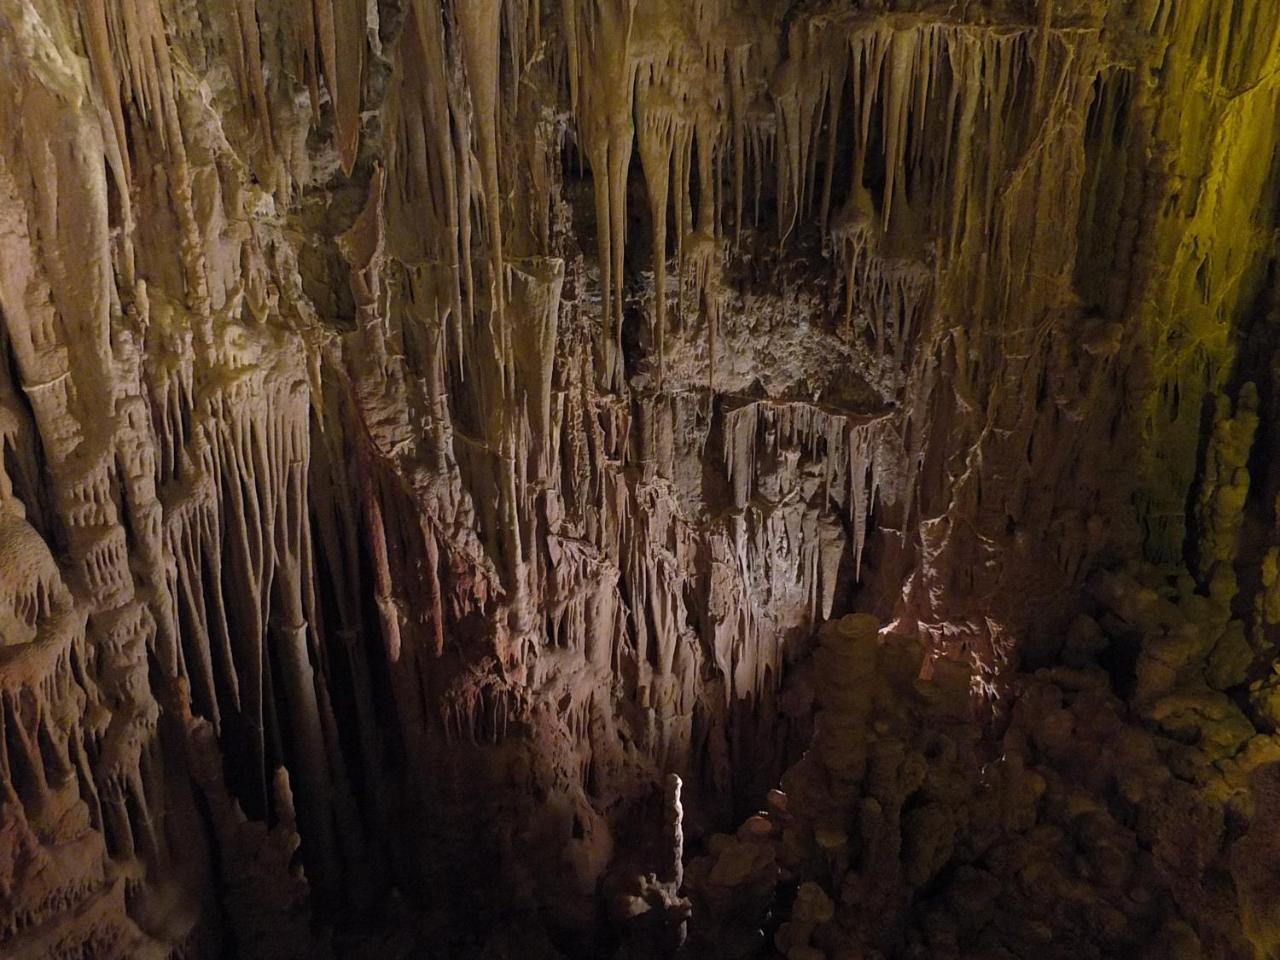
(658, 118)
(478, 24)
(604, 84)
(343, 69)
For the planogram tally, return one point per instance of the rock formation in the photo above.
(445, 444)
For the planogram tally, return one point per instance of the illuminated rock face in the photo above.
(431, 427)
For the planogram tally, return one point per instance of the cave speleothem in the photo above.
(640, 478)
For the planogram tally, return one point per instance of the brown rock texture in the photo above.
(445, 442)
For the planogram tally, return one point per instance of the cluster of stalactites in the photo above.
(928, 116)
(848, 455)
(950, 108)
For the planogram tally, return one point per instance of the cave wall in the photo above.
(427, 424)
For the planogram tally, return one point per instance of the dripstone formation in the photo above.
(463, 458)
